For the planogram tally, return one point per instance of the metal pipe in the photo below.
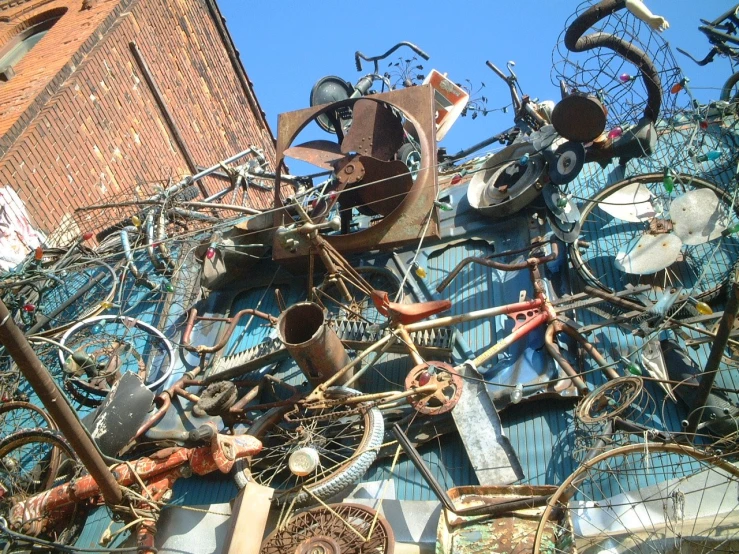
(714, 359)
(166, 112)
(12, 338)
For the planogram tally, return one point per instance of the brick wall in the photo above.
(90, 127)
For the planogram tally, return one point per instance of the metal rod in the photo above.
(714, 359)
(168, 118)
(12, 338)
(498, 508)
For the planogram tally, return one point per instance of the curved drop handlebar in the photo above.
(576, 41)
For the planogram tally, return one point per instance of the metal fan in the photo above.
(693, 218)
(367, 176)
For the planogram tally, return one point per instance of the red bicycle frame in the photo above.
(158, 474)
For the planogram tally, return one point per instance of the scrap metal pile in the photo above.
(548, 327)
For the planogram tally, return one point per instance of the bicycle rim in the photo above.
(702, 269)
(346, 445)
(30, 461)
(78, 290)
(360, 306)
(644, 498)
(16, 416)
(115, 345)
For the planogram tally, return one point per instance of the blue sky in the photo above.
(286, 46)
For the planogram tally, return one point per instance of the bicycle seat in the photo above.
(407, 313)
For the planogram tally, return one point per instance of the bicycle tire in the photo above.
(150, 340)
(602, 491)
(361, 306)
(49, 458)
(354, 458)
(16, 416)
(605, 235)
(726, 90)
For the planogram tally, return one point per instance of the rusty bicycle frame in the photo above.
(405, 319)
(155, 475)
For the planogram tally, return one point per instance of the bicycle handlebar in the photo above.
(498, 72)
(358, 55)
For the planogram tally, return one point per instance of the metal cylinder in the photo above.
(12, 338)
(314, 345)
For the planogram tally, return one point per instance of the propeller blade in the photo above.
(649, 254)
(376, 131)
(696, 217)
(631, 203)
(321, 153)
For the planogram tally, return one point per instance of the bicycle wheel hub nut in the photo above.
(304, 461)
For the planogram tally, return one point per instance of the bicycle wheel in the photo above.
(16, 416)
(729, 92)
(31, 461)
(107, 346)
(52, 300)
(360, 306)
(644, 498)
(322, 451)
(332, 529)
(610, 399)
(702, 269)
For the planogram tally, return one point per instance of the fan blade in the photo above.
(383, 187)
(649, 254)
(632, 203)
(321, 153)
(696, 217)
(376, 131)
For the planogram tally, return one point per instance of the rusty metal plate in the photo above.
(382, 188)
(376, 131)
(403, 225)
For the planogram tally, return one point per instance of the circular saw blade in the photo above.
(631, 203)
(696, 217)
(649, 254)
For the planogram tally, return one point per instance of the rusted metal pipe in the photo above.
(313, 344)
(554, 352)
(12, 338)
(489, 262)
(725, 327)
(233, 321)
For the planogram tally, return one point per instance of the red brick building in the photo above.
(113, 93)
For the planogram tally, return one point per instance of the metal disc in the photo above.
(696, 217)
(566, 232)
(631, 203)
(570, 158)
(579, 117)
(568, 214)
(649, 254)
